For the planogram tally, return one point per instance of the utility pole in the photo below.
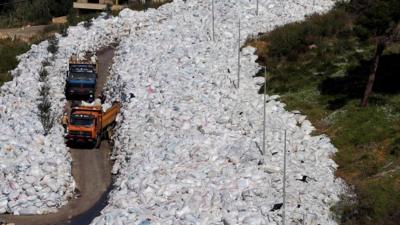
(238, 71)
(265, 94)
(213, 15)
(257, 8)
(284, 183)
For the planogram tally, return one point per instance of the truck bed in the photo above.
(110, 115)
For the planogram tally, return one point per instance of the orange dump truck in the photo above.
(88, 124)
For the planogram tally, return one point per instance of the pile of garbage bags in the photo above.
(35, 166)
(189, 141)
(189, 144)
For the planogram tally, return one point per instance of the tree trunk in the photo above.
(380, 47)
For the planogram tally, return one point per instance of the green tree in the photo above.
(72, 17)
(35, 11)
(60, 7)
(41, 11)
(377, 19)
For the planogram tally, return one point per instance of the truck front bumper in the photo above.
(80, 139)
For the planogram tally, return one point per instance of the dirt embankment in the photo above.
(91, 169)
(26, 34)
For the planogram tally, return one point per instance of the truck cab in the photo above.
(82, 126)
(81, 80)
(88, 123)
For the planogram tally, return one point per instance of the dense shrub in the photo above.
(72, 17)
(45, 114)
(374, 17)
(292, 39)
(8, 51)
(88, 23)
(108, 11)
(60, 7)
(33, 12)
(139, 6)
(4, 77)
(394, 148)
(53, 45)
(43, 75)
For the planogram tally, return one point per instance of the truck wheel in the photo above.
(98, 142)
(108, 134)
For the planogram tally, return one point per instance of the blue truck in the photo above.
(81, 78)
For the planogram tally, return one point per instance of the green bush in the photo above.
(88, 23)
(60, 7)
(394, 148)
(44, 91)
(5, 77)
(379, 200)
(293, 39)
(72, 17)
(137, 5)
(53, 45)
(108, 11)
(43, 75)
(374, 17)
(372, 126)
(9, 50)
(46, 115)
(33, 12)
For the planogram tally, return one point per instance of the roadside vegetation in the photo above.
(8, 51)
(323, 67)
(137, 5)
(45, 114)
(20, 13)
(11, 48)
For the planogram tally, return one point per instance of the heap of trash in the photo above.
(35, 166)
(189, 141)
(189, 145)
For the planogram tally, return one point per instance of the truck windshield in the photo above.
(81, 68)
(82, 76)
(82, 120)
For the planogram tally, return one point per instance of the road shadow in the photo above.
(83, 146)
(352, 85)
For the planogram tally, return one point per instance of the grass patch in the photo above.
(320, 67)
(5, 77)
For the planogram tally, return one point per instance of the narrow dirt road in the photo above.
(91, 169)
